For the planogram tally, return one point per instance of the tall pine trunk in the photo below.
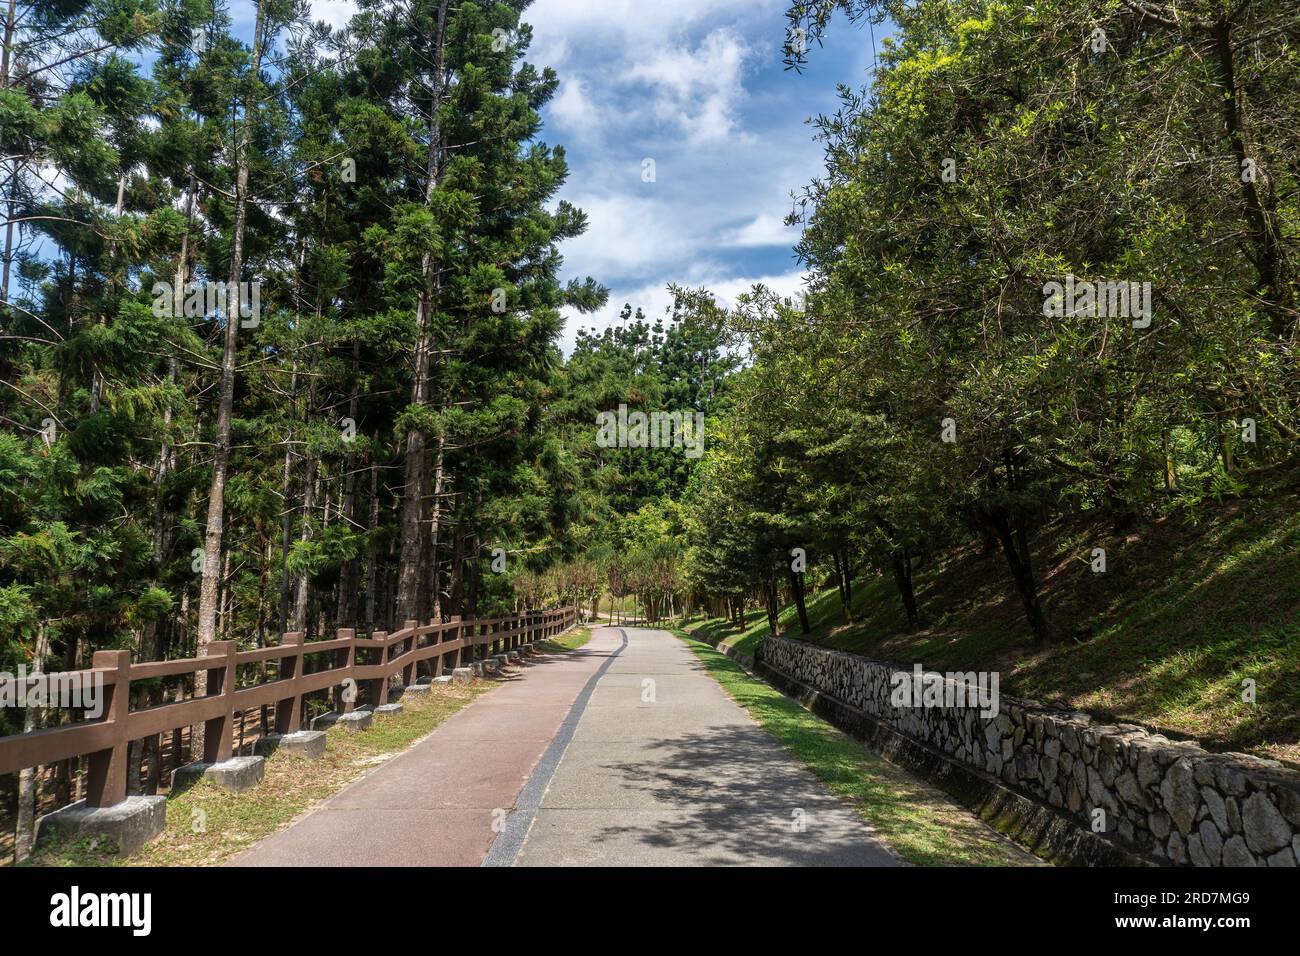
(346, 613)
(435, 528)
(412, 589)
(29, 777)
(302, 589)
(371, 557)
(12, 192)
(212, 539)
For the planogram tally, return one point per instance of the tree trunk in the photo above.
(212, 539)
(370, 546)
(1260, 205)
(842, 584)
(286, 513)
(796, 588)
(901, 562)
(29, 777)
(12, 192)
(769, 602)
(457, 586)
(1015, 548)
(411, 579)
(346, 615)
(302, 590)
(435, 530)
(847, 559)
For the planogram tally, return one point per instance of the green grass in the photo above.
(922, 825)
(569, 641)
(207, 825)
(744, 638)
(1184, 613)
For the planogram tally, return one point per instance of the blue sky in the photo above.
(698, 87)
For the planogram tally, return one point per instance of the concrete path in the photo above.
(625, 752)
(665, 769)
(435, 804)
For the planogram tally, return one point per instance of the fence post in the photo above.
(221, 680)
(381, 692)
(414, 643)
(411, 672)
(348, 634)
(288, 710)
(106, 769)
(435, 662)
(458, 633)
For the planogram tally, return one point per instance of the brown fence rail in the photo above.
(367, 661)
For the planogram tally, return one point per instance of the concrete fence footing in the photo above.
(303, 743)
(129, 824)
(235, 774)
(357, 720)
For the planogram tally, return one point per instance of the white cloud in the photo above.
(573, 109)
(655, 300)
(565, 28)
(764, 229)
(697, 89)
(727, 290)
(631, 235)
(334, 12)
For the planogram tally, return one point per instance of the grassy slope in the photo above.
(569, 641)
(1165, 637)
(917, 821)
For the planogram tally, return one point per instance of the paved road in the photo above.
(598, 767)
(674, 772)
(435, 804)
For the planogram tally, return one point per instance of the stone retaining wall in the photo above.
(1170, 801)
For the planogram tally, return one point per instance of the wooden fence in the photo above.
(369, 662)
